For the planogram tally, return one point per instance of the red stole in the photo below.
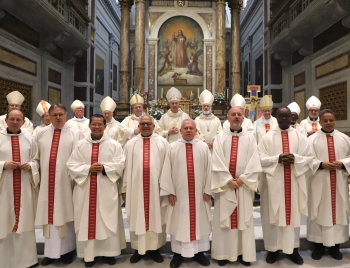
(267, 127)
(52, 173)
(93, 194)
(287, 178)
(191, 190)
(293, 126)
(314, 126)
(146, 175)
(333, 175)
(17, 186)
(232, 169)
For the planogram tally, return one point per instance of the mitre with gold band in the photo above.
(15, 97)
(313, 102)
(136, 99)
(294, 107)
(238, 101)
(266, 103)
(173, 94)
(43, 107)
(76, 104)
(108, 104)
(206, 97)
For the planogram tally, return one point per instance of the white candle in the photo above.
(198, 93)
(161, 94)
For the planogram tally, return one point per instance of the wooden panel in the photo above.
(17, 61)
(299, 79)
(334, 98)
(54, 76)
(334, 65)
(54, 95)
(299, 97)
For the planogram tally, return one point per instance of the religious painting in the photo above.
(180, 52)
(99, 75)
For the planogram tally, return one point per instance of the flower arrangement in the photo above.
(156, 112)
(219, 98)
(197, 111)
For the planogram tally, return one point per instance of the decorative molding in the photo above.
(153, 16)
(111, 10)
(166, 3)
(208, 17)
(151, 75)
(209, 67)
(199, 4)
(333, 65)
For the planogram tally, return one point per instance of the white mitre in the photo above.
(15, 97)
(76, 104)
(294, 107)
(266, 102)
(43, 107)
(108, 104)
(173, 95)
(136, 99)
(206, 97)
(313, 102)
(238, 101)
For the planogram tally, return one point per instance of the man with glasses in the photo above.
(79, 120)
(328, 223)
(311, 123)
(55, 206)
(15, 100)
(43, 110)
(266, 122)
(141, 191)
(285, 157)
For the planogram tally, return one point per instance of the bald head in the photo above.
(283, 115)
(235, 118)
(14, 120)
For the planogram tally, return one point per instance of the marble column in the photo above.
(124, 94)
(235, 6)
(139, 68)
(220, 64)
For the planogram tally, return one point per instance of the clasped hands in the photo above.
(11, 165)
(96, 167)
(235, 183)
(173, 130)
(172, 198)
(286, 159)
(332, 165)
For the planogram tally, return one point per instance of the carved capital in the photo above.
(235, 5)
(112, 39)
(52, 39)
(73, 54)
(220, 2)
(125, 4)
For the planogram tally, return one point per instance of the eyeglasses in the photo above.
(283, 115)
(313, 111)
(57, 115)
(146, 124)
(266, 111)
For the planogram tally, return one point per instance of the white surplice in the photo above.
(170, 120)
(277, 234)
(298, 127)
(80, 123)
(155, 237)
(112, 129)
(38, 129)
(109, 238)
(61, 240)
(227, 243)
(27, 127)
(18, 245)
(247, 125)
(208, 126)
(307, 124)
(260, 128)
(320, 224)
(175, 181)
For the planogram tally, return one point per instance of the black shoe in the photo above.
(201, 259)
(46, 261)
(110, 260)
(295, 257)
(155, 255)
(34, 265)
(245, 263)
(89, 263)
(222, 262)
(68, 258)
(335, 253)
(136, 257)
(318, 251)
(272, 257)
(176, 261)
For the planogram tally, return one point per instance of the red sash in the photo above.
(17, 186)
(267, 127)
(191, 191)
(287, 178)
(52, 173)
(146, 179)
(232, 168)
(93, 194)
(314, 126)
(333, 175)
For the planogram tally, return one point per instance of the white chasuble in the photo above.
(329, 195)
(27, 127)
(144, 165)
(170, 120)
(112, 129)
(97, 206)
(262, 126)
(80, 123)
(283, 188)
(208, 127)
(234, 156)
(309, 125)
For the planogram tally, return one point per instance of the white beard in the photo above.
(206, 112)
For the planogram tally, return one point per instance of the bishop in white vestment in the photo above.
(79, 120)
(19, 179)
(328, 223)
(295, 111)
(96, 166)
(43, 110)
(55, 206)
(285, 157)
(311, 123)
(108, 106)
(235, 172)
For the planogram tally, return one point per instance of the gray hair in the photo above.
(326, 111)
(188, 120)
(147, 115)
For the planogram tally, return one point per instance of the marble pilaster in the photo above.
(220, 46)
(139, 68)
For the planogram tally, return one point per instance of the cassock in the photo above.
(27, 127)
(38, 129)
(187, 174)
(234, 156)
(208, 126)
(17, 199)
(169, 120)
(55, 205)
(98, 218)
(329, 192)
(247, 124)
(127, 126)
(283, 188)
(144, 165)
(309, 125)
(298, 127)
(262, 126)
(112, 129)
(80, 123)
